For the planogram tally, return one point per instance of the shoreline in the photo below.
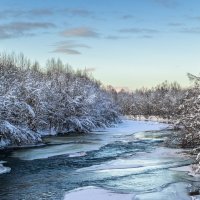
(149, 118)
(42, 143)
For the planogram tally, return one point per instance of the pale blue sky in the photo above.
(125, 43)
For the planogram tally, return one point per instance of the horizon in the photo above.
(126, 44)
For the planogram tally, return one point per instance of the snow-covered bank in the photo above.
(149, 118)
(133, 126)
(15, 135)
(4, 169)
(176, 191)
(91, 192)
(69, 146)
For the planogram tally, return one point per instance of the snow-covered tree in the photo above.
(56, 99)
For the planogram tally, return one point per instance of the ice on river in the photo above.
(95, 193)
(3, 169)
(71, 145)
(173, 191)
(131, 126)
(159, 158)
(139, 172)
(177, 191)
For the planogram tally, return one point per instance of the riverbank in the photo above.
(149, 118)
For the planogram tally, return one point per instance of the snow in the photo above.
(79, 154)
(190, 169)
(133, 126)
(17, 135)
(67, 100)
(196, 197)
(177, 191)
(4, 169)
(149, 118)
(174, 191)
(4, 143)
(95, 193)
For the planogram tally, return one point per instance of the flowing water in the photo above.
(128, 161)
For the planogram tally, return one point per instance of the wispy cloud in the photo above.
(18, 29)
(146, 36)
(114, 37)
(39, 12)
(26, 13)
(12, 13)
(196, 18)
(77, 12)
(192, 30)
(125, 17)
(80, 32)
(167, 3)
(138, 30)
(176, 24)
(68, 47)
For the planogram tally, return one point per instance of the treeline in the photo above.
(188, 118)
(51, 99)
(160, 101)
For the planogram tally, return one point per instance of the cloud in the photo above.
(67, 51)
(80, 32)
(146, 36)
(40, 12)
(139, 30)
(166, 3)
(125, 17)
(68, 47)
(175, 24)
(192, 30)
(113, 37)
(77, 12)
(12, 13)
(197, 18)
(18, 29)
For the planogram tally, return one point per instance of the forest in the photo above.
(37, 101)
(55, 99)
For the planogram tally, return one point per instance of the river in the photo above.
(128, 161)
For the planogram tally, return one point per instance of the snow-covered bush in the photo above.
(188, 116)
(161, 101)
(56, 98)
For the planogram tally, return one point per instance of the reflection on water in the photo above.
(124, 162)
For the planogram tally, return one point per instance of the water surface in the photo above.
(124, 160)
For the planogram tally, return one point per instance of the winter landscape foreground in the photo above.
(128, 161)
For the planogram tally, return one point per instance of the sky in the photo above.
(123, 43)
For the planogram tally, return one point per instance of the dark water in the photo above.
(122, 162)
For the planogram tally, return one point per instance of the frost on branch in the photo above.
(34, 102)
